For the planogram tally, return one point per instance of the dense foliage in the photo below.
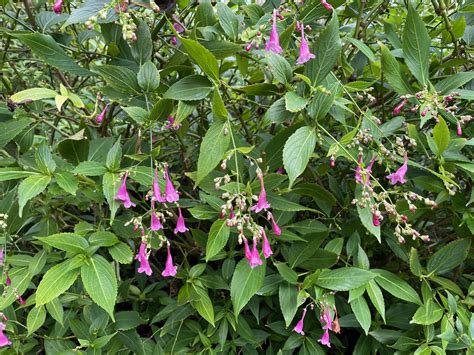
(236, 177)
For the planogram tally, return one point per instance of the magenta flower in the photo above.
(155, 224)
(255, 256)
(325, 339)
(399, 175)
(101, 116)
(170, 269)
(142, 257)
(459, 130)
(1, 257)
(21, 300)
(326, 5)
(273, 43)
(280, 170)
(305, 54)
(156, 189)
(247, 252)
(180, 226)
(358, 172)
(267, 250)
(57, 6)
(4, 341)
(262, 198)
(171, 124)
(171, 194)
(122, 193)
(8, 280)
(178, 27)
(399, 107)
(275, 227)
(299, 326)
(375, 220)
(326, 317)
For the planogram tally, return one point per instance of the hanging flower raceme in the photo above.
(252, 256)
(155, 223)
(358, 172)
(57, 6)
(326, 318)
(171, 194)
(326, 5)
(273, 44)
(267, 250)
(101, 116)
(156, 189)
(142, 257)
(4, 341)
(299, 326)
(399, 175)
(262, 202)
(305, 54)
(123, 195)
(180, 225)
(170, 269)
(275, 227)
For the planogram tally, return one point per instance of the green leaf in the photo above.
(90, 168)
(279, 67)
(103, 238)
(392, 72)
(31, 187)
(121, 253)
(193, 87)
(100, 282)
(396, 286)
(127, 320)
(55, 308)
(362, 313)
(294, 102)
(36, 318)
(88, 9)
(365, 216)
(245, 283)
(114, 157)
(287, 273)
(202, 56)
(57, 280)
(297, 151)
(454, 81)
(202, 303)
(119, 78)
(70, 242)
(110, 186)
(326, 48)
(415, 265)
(148, 77)
(449, 256)
(217, 239)
(322, 102)
(14, 174)
(67, 181)
(45, 47)
(213, 147)
(288, 297)
(416, 46)
(441, 135)
(11, 128)
(228, 20)
(376, 297)
(37, 264)
(218, 107)
(44, 159)
(142, 47)
(33, 94)
(363, 48)
(427, 314)
(344, 279)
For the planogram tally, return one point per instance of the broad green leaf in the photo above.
(31, 187)
(142, 47)
(148, 77)
(428, 313)
(287, 273)
(362, 313)
(441, 135)
(217, 238)
(119, 78)
(202, 303)
(376, 297)
(454, 81)
(288, 297)
(21, 278)
(193, 87)
(121, 253)
(11, 128)
(279, 67)
(221, 49)
(36, 318)
(33, 94)
(416, 46)
(55, 308)
(114, 157)
(396, 286)
(67, 181)
(213, 147)
(294, 102)
(126, 320)
(57, 280)
(83, 13)
(103, 238)
(45, 47)
(14, 174)
(228, 20)
(202, 56)
(100, 282)
(44, 159)
(322, 102)
(363, 48)
(415, 265)
(392, 72)
(297, 151)
(218, 107)
(344, 279)
(90, 168)
(37, 264)
(110, 186)
(450, 256)
(70, 242)
(245, 283)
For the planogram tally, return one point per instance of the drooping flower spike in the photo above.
(123, 195)
(155, 223)
(267, 250)
(156, 189)
(299, 326)
(305, 54)
(170, 269)
(273, 44)
(57, 6)
(180, 225)
(4, 341)
(399, 175)
(262, 202)
(171, 194)
(142, 257)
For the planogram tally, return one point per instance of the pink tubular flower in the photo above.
(375, 220)
(180, 226)
(273, 43)
(267, 250)
(275, 227)
(399, 175)
(325, 339)
(326, 5)
(101, 116)
(247, 252)
(57, 6)
(4, 341)
(178, 27)
(122, 193)
(399, 107)
(255, 256)
(280, 170)
(171, 124)
(358, 173)
(262, 198)
(326, 317)
(170, 269)
(21, 300)
(142, 257)
(8, 280)
(155, 224)
(459, 129)
(1, 257)
(156, 189)
(305, 54)
(171, 194)
(299, 326)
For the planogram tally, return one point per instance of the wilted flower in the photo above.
(399, 175)
(142, 257)
(180, 226)
(57, 6)
(305, 54)
(267, 250)
(170, 269)
(4, 341)
(171, 194)
(262, 202)
(122, 193)
(299, 326)
(273, 43)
